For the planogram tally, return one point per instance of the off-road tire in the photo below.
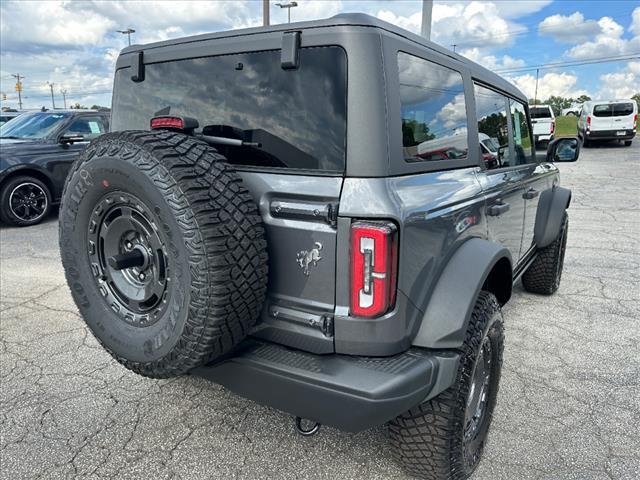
(215, 248)
(428, 440)
(544, 274)
(7, 215)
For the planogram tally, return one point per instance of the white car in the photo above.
(544, 123)
(572, 110)
(608, 120)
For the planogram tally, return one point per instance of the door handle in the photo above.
(498, 209)
(530, 194)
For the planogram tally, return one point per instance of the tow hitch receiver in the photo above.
(308, 431)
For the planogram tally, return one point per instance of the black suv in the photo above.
(303, 214)
(37, 150)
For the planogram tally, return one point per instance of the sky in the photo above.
(74, 44)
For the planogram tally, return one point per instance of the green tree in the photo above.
(77, 106)
(557, 103)
(583, 98)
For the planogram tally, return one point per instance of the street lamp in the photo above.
(128, 32)
(288, 6)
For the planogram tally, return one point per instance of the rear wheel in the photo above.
(163, 249)
(444, 437)
(544, 274)
(24, 201)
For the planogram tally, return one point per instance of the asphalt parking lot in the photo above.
(568, 407)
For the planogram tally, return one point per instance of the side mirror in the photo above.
(69, 139)
(566, 149)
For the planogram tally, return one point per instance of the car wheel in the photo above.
(627, 143)
(444, 437)
(24, 201)
(544, 274)
(164, 250)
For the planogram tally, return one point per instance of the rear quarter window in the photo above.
(297, 116)
(434, 116)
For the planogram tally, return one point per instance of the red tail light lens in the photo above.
(588, 122)
(553, 126)
(167, 122)
(635, 121)
(374, 262)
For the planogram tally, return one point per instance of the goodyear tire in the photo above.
(444, 438)
(544, 274)
(163, 249)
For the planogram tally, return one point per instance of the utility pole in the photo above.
(288, 6)
(535, 95)
(265, 13)
(427, 8)
(128, 32)
(64, 97)
(53, 102)
(454, 45)
(18, 78)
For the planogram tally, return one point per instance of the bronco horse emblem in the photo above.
(309, 257)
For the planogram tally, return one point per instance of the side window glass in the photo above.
(521, 134)
(434, 116)
(493, 130)
(88, 127)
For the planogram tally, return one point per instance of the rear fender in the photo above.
(448, 312)
(551, 208)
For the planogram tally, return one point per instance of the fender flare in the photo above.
(445, 320)
(551, 207)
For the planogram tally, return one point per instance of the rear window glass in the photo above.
(622, 109)
(434, 116)
(602, 111)
(297, 116)
(540, 112)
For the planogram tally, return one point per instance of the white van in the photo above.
(544, 123)
(608, 120)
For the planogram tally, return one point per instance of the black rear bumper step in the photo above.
(350, 393)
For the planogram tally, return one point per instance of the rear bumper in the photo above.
(610, 134)
(543, 138)
(350, 393)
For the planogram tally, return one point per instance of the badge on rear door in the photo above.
(306, 258)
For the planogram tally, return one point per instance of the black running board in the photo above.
(350, 393)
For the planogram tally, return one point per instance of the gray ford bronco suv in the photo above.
(303, 214)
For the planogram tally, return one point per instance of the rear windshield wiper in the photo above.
(234, 142)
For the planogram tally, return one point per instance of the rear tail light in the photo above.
(635, 121)
(167, 122)
(588, 123)
(553, 126)
(374, 263)
(184, 124)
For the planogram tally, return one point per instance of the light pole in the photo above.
(128, 32)
(53, 102)
(288, 6)
(64, 97)
(535, 95)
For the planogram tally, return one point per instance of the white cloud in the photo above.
(491, 61)
(561, 84)
(55, 23)
(461, 23)
(571, 29)
(622, 84)
(592, 38)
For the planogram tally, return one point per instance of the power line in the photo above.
(574, 63)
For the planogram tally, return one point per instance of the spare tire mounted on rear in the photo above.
(164, 250)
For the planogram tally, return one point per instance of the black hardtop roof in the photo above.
(345, 19)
